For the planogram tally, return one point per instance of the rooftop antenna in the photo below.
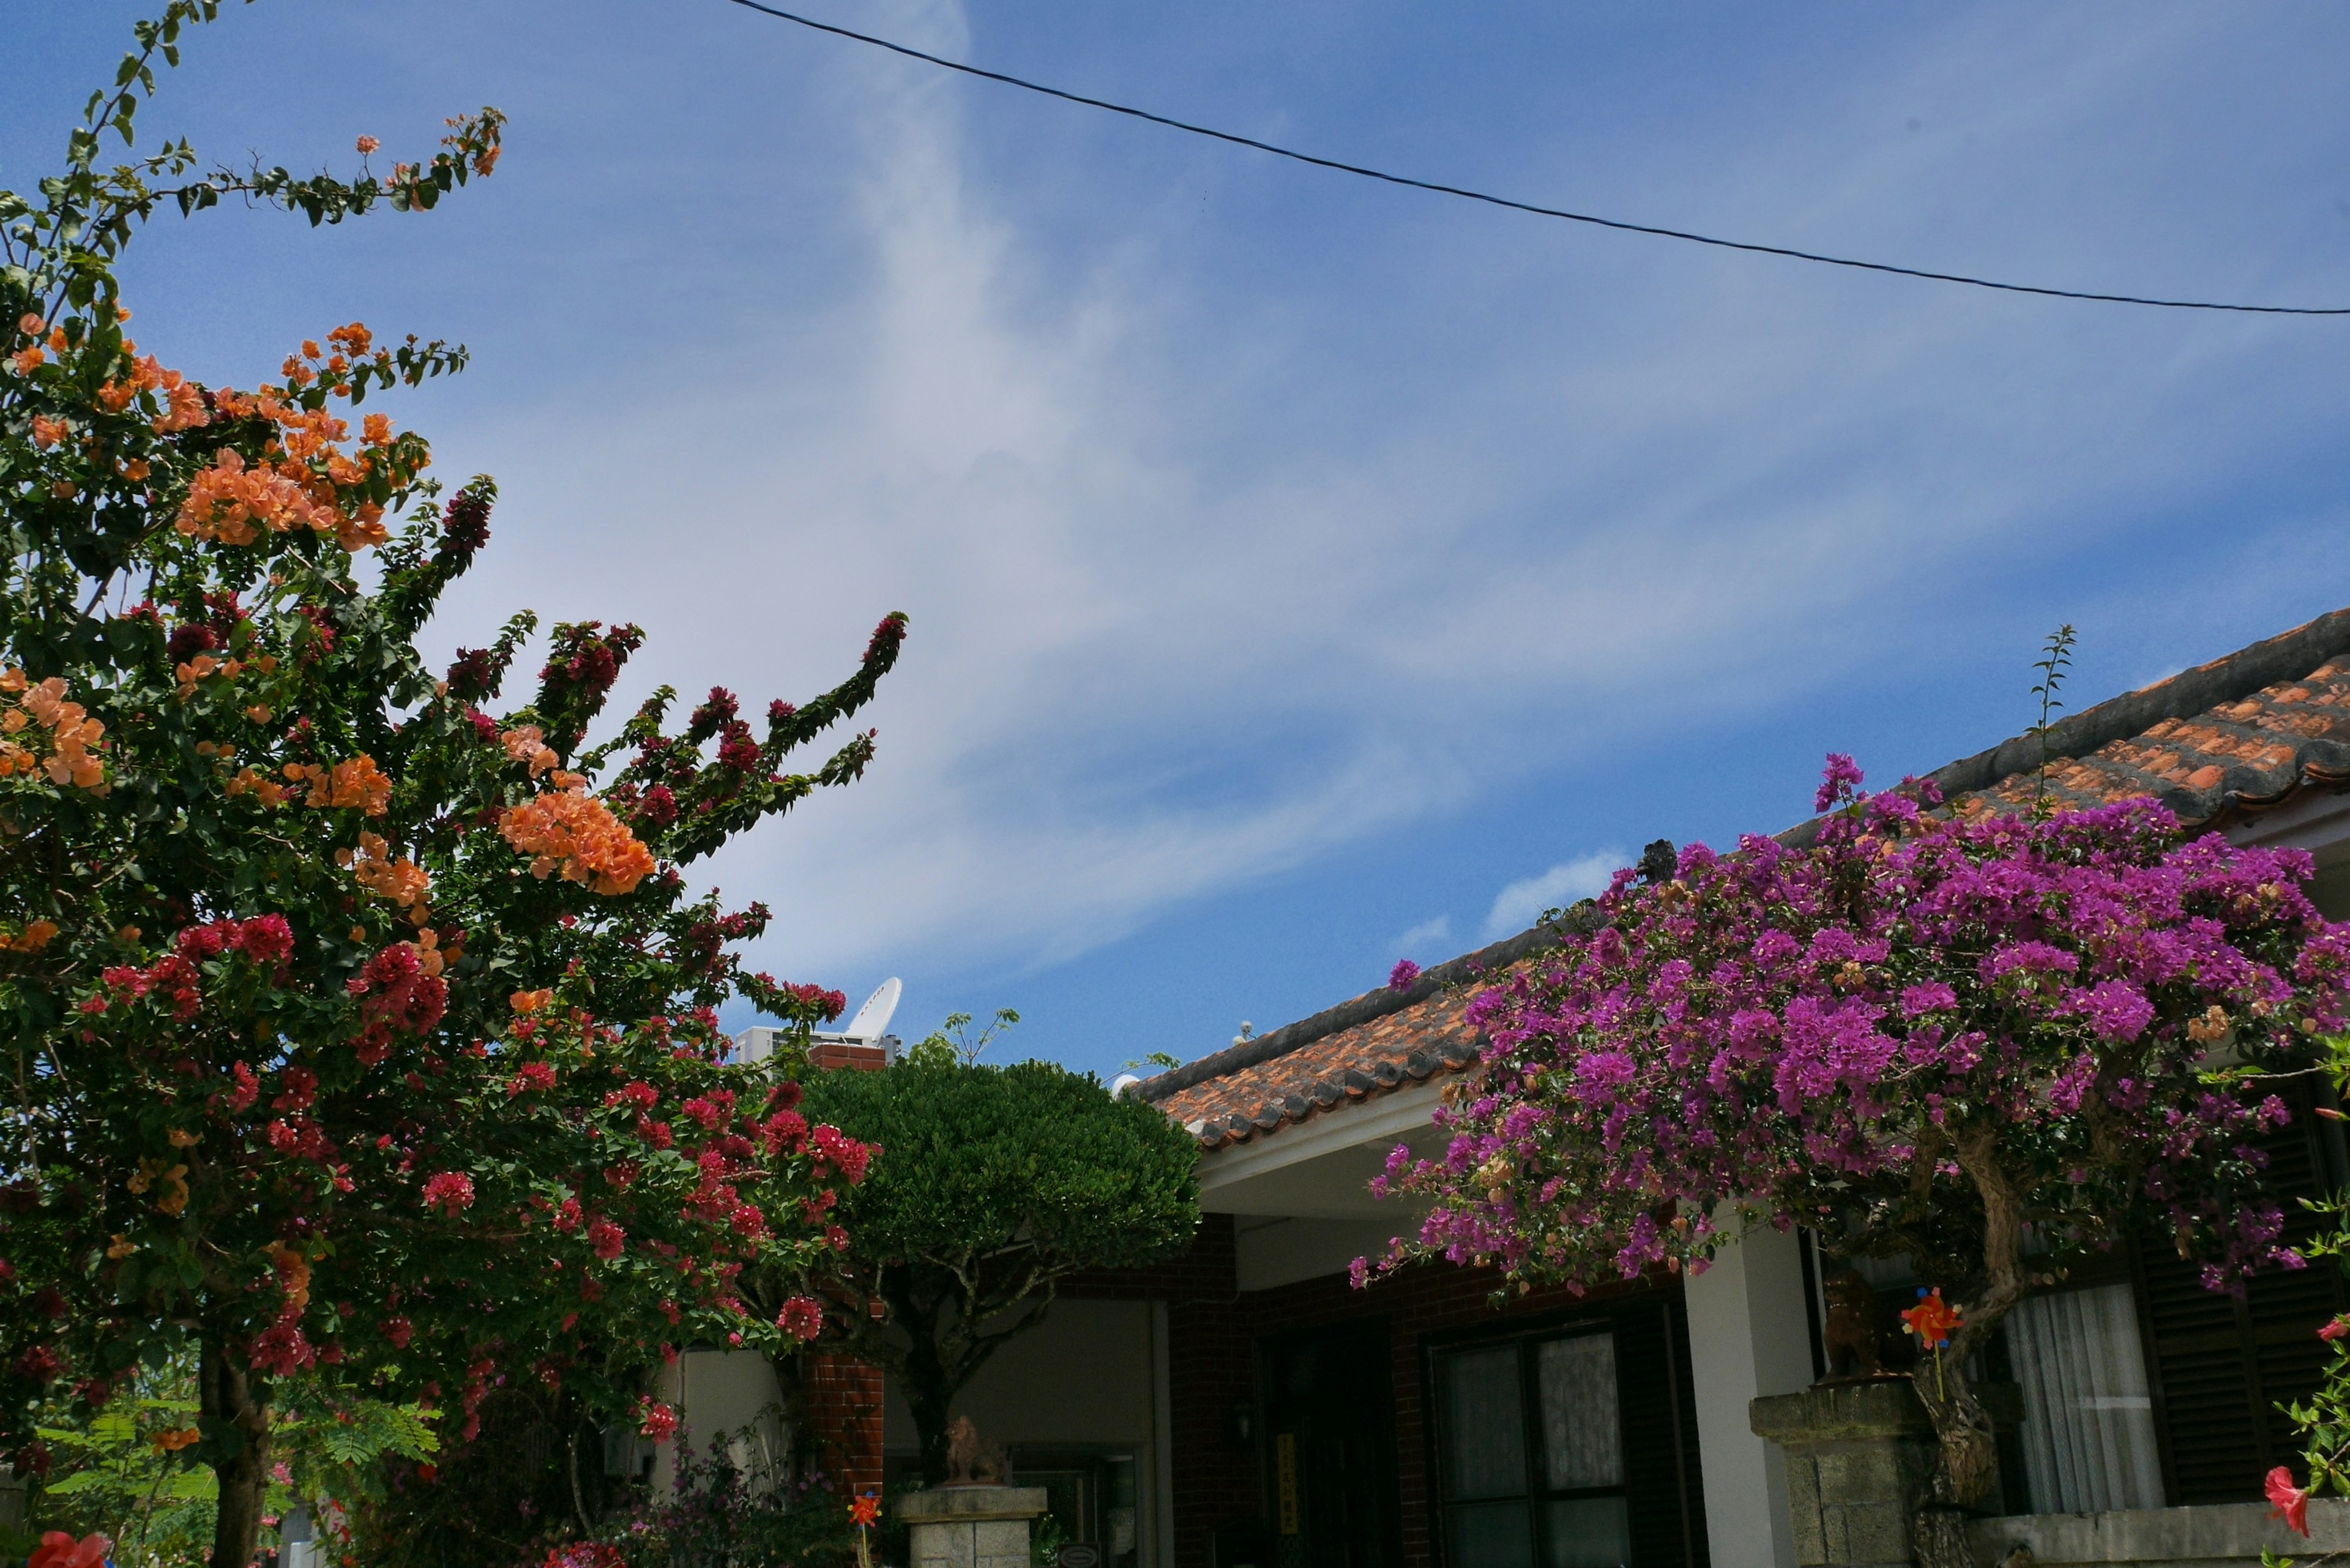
(872, 1019)
(870, 1027)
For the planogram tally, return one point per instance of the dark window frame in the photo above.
(1657, 1309)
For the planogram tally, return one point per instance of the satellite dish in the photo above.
(872, 1019)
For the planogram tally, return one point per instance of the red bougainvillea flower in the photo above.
(2334, 1329)
(655, 1420)
(865, 1510)
(2291, 1501)
(801, 1318)
(1931, 1320)
(58, 1550)
(451, 1192)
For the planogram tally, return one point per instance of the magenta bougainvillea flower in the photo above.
(1910, 1025)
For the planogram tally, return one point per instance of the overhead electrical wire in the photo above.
(1540, 212)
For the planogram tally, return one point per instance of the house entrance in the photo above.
(1330, 1422)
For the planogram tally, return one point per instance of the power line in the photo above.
(1540, 211)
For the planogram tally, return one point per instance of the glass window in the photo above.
(1583, 1442)
(1586, 1533)
(1548, 1496)
(1488, 1535)
(1485, 1440)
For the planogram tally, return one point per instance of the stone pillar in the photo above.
(971, 1526)
(1860, 1459)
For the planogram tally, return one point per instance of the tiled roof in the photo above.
(2238, 736)
(2232, 738)
(1374, 1045)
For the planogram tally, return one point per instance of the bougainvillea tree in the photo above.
(353, 1031)
(1927, 1037)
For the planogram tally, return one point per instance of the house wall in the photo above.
(1213, 1333)
(1082, 1377)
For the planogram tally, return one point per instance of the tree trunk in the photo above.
(231, 1414)
(1967, 1466)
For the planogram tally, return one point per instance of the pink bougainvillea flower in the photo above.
(2334, 1329)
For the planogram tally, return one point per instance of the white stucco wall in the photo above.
(716, 1391)
(1750, 1333)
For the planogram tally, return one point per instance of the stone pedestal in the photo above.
(971, 1526)
(1860, 1463)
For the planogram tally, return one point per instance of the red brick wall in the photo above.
(843, 1394)
(844, 1406)
(1212, 1332)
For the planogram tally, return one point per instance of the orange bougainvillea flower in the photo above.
(72, 733)
(1931, 1320)
(572, 832)
(293, 1271)
(527, 744)
(357, 783)
(398, 878)
(172, 1442)
(530, 1001)
(368, 144)
(46, 431)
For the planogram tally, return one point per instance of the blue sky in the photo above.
(1306, 572)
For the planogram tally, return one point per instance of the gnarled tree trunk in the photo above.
(1967, 1467)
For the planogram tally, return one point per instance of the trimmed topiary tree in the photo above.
(990, 1185)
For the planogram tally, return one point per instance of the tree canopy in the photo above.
(992, 1184)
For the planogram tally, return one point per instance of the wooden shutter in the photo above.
(2222, 1364)
(1661, 1483)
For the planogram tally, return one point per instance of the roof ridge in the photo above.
(2288, 656)
(1346, 1015)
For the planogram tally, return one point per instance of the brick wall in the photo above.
(844, 1404)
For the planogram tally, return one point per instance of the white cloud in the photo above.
(1518, 906)
(1195, 601)
(1423, 938)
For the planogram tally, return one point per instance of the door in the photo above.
(1330, 1418)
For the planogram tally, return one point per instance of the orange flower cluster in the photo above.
(528, 744)
(202, 666)
(571, 832)
(292, 1273)
(401, 880)
(357, 783)
(174, 1441)
(233, 503)
(36, 936)
(46, 431)
(169, 1181)
(72, 732)
(183, 403)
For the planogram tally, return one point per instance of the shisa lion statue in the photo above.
(970, 1461)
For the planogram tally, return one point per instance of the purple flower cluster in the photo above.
(1862, 1034)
